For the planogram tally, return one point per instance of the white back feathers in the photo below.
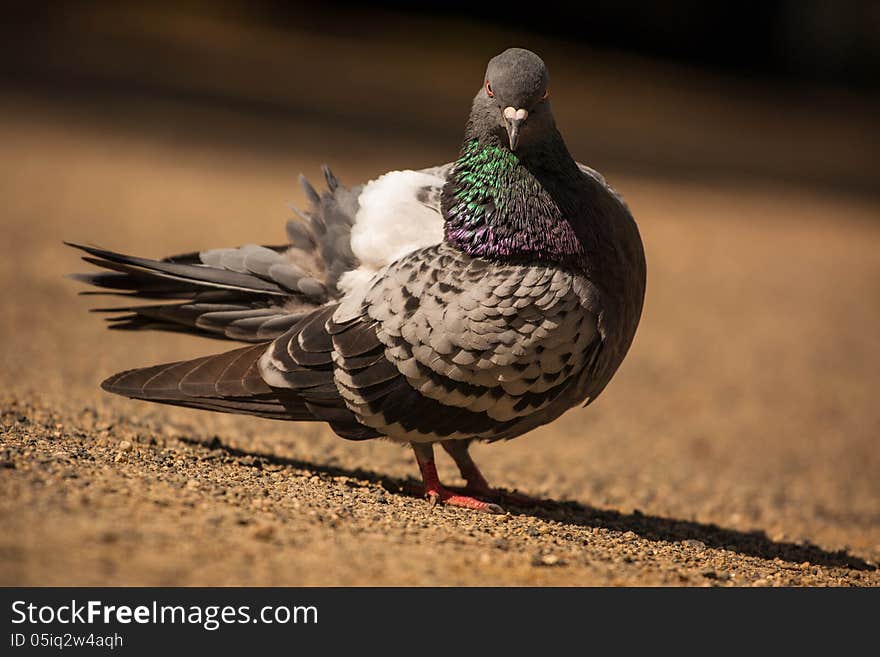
(393, 219)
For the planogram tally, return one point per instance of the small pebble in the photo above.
(263, 532)
(501, 543)
(546, 560)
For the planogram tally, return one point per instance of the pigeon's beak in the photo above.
(513, 120)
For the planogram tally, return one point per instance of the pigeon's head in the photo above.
(513, 102)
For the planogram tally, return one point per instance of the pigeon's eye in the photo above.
(546, 94)
(489, 91)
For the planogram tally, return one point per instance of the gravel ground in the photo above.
(100, 498)
(738, 445)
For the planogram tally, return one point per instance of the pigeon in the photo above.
(472, 301)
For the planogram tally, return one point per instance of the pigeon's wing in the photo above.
(437, 346)
(598, 177)
(444, 346)
(619, 316)
(233, 382)
(254, 293)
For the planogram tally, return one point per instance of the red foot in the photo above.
(438, 493)
(477, 486)
(498, 495)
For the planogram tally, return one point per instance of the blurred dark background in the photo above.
(822, 40)
(781, 90)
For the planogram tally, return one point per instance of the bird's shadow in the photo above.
(754, 543)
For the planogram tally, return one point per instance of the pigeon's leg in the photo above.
(476, 482)
(437, 492)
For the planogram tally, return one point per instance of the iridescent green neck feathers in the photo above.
(494, 206)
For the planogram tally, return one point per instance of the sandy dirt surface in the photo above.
(738, 444)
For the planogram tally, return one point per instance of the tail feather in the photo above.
(270, 411)
(192, 274)
(229, 382)
(220, 303)
(200, 377)
(266, 289)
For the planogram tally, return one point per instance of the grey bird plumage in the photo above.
(475, 300)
